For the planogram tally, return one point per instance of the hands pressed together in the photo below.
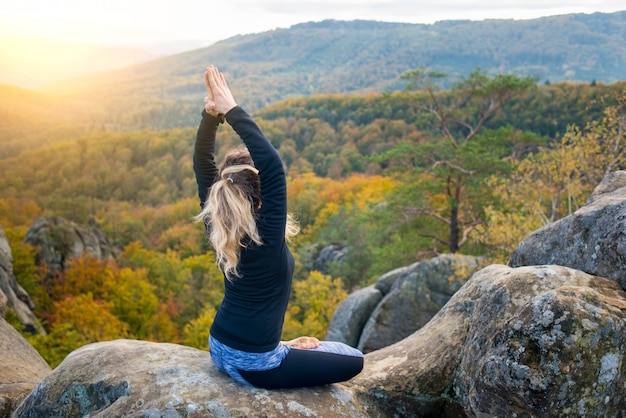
(219, 99)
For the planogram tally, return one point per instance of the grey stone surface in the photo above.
(592, 239)
(21, 368)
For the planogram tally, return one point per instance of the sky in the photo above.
(146, 22)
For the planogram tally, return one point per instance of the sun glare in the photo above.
(32, 63)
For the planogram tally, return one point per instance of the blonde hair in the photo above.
(230, 211)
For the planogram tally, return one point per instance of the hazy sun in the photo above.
(31, 63)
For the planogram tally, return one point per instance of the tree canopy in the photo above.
(384, 177)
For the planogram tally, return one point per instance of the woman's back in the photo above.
(251, 315)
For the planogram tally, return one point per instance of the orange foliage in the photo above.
(92, 319)
(84, 275)
(15, 212)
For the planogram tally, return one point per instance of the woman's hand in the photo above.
(303, 342)
(209, 103)
(209, 106)
(219, 98)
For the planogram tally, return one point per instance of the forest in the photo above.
(323, 58)
(466, 166)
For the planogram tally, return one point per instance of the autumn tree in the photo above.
(57, 344)
(554, 182)
(314, 300)
(133, 300)
(196, 332)
(185, 288)
(86, 274)
(446, 168)
(203, 286)
(340, 212)
(25, 267)
(91, 318)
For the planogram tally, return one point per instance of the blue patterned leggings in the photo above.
(288, 367)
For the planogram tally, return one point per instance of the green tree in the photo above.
(57, 344)
(24, 265)
(449, 167)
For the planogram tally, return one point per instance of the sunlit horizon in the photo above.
(143, 24)
(32, 63)
(41, 42)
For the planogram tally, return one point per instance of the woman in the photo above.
(245, 209)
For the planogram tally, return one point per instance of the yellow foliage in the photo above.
(91, 319)
(18, 212)
(196, 332)
(319, 199)
(553, 183)
(163, 328)
(314, 302)
(133, 301)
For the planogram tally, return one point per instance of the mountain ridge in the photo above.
(366, 56)
(319, 58)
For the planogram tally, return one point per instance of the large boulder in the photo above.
(3, 304)
(14, 296)
(21, 368)
(143, 379)
(323, 259)
(352, 314)
(533, 341)
(60, 241)
(593, 239)
(400, 302)
(329, 256)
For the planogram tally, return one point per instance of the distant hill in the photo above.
(365, 56)
(31, 62)
(329, 57)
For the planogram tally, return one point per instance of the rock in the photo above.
(610, 183)
(351, 315)
(144, 379)
(533, 341)
(593, 239)
(411, 296)
(14, 296)
(386, 281)
(60, 241)
(21, 368)
(3, 304)
(329, 255)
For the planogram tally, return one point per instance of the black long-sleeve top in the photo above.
(252, 312)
